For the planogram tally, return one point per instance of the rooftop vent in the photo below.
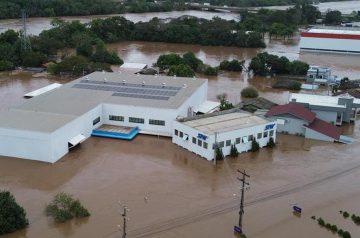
(184, 85)
(163, 85)
(105, 80)
(87, 78)
(174, 75)
(143, 83)
(156, 75)
(124, 81)
(194, 78)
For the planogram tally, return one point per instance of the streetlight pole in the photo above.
(124, 222)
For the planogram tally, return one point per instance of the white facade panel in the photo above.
(331, 45)
(25, 144)
(222, 139)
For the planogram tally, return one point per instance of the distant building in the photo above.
(334, 110)
(331, 39)
(201, 134)
(321, 75)
(295, 119)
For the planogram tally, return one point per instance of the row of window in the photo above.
(195, 141)
(137, 120)
(246, 139)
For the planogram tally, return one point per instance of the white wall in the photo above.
(25, 144)
(330, 44)
(196, 99)
(311, 134)
(221, 137)
(328, 116)
(81, 125)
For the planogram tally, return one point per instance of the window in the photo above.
(259, 136)
(116, 118)
(156, 122)
(181, 134)
(228, 142)
(199, 142)
(194, 140)
(176, 132)
(96, 121)
(221, 144)
(245, 139)
(250, 137)
(238, 140)
(271, 133)
(265, 134)
(136, 120)
(205, 145)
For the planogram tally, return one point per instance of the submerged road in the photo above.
(155, 228)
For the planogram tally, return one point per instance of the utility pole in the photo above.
(241, 212)
(124, 222)
(25, 42)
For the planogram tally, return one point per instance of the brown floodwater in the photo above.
(174, 193)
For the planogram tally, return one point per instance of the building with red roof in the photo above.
(295, 119)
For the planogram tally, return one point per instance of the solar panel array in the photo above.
(155, 92)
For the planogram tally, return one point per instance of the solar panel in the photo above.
(158, 93)
(133, 85)
(141, 96)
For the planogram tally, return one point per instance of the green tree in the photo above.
(64, 207)
(33, 59)
(233, 151)
(190, 59)
(12, 216)
(167, 60)
(181, 70)
(102, 55)
(254, 145)
(6, 65)
(233, 65)
(333, 17)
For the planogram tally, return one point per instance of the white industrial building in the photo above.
(199, 134)
(331, 39)
(45, 127)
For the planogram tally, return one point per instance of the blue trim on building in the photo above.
(116, 135)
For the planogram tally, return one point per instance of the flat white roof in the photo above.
(138, 66)
(318, 100)
(225, 122)
(207, 106)
(43, 90)
(338, 30)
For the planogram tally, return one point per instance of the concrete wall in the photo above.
(293, 126)
(311, 134)
(194, 100)
(25, 144)
(328, 116)
(81, 125)
(221, 137)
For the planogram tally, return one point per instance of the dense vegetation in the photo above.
(256, 3)
(267, 64)
(12, 216)
(333, 18)
(64, 207)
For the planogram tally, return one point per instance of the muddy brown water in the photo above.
(185, 195)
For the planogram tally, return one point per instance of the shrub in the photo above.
(33, 59)
(219, 155)
(345, 214)
(233, 65)
(321, 222)
(340, 232)
(334, 228)
(346, 234)
(224, 103)
(295, 86)
(249, 92)
(64, 207)
(271, 143)
(211, 71)
(12, 216)
(255, 146)
(313, 217)
(328, 226)
(233, 151)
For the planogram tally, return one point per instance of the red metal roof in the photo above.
(325, 128)
(330, 35)
(294, 109)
